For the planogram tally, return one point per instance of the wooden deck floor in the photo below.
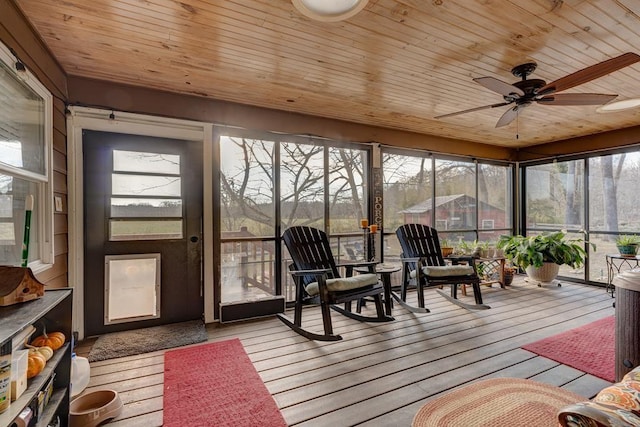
(380, 374)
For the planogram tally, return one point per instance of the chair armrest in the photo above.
(318, 272)
(457, 258)
(407, 260)
(358, 264)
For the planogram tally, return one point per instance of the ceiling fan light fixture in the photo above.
(624, 104)
(329, 10)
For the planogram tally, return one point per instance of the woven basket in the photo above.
(546, 273)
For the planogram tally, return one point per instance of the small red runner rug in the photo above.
(216, 385)
(589, 348)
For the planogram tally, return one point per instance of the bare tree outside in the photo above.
(314, 179)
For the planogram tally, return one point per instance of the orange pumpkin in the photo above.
(35, 364)
(55, 340)
(44, 350)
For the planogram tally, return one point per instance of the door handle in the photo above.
(194, 239)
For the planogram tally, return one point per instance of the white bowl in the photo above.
(92, 409)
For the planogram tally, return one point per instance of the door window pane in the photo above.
(127, 208)
(146, 199)
(145, 185)
(145, 230)
(156, 163)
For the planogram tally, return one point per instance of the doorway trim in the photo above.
(81, 118)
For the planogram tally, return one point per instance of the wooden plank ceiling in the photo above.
(396, 64)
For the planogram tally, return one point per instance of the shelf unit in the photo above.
(52, 311)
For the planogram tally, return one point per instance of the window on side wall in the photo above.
(25, 167)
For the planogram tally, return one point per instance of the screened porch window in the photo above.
(25, 170)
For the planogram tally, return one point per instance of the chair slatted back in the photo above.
(310, 250)
(420, 241)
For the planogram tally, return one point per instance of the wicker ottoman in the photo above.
(495, 403)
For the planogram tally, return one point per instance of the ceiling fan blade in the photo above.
(496, 85)
(590, 73)
(509, 116)
(484, 107)
(576, 99)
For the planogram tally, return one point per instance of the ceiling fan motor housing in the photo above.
(530, 89)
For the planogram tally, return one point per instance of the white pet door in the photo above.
(132, 287)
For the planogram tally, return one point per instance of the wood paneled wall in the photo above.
(18, 34)
(98, 93)
(622, 138)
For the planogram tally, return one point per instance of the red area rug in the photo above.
(589, 348)
(216, 385)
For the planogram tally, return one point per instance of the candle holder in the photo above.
(373, 229)
(365, 240)
(372, 246)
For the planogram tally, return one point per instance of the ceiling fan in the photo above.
(527, 91)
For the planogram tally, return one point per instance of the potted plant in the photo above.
(446, 247)
(541, 256)
(627, 245)
(464, 247)
(485, 249)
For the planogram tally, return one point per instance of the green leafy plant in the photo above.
(546, 247)
(480, 269)
(627, 244)
(483, 245)
(627, 240)
(465, 247)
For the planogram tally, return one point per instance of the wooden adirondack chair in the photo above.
(317, 281)
(424, 266)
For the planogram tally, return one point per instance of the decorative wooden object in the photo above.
(18, 284)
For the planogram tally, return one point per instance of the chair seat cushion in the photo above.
(445, 270)
(345, 283)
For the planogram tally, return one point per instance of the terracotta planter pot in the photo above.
(546, 273)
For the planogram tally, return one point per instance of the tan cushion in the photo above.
(445, 270)
(344, 284)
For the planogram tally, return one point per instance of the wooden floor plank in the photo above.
(381, 374)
